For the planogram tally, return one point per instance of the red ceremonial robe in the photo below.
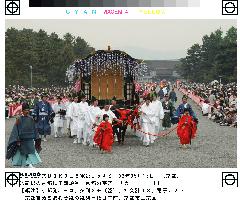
(104, 136)
(186, 129)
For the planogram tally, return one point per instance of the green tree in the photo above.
(217, 56)
(49, 55)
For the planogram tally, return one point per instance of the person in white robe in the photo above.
(205, 108)
(73, 114)
(165, 90)
(112, 116)
(60, 112)
(82, 133)
(148, 119)
(93, 120)
(106, 110)
(67, 123)
(158, 115)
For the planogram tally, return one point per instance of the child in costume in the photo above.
(104, 135)
(186, 129)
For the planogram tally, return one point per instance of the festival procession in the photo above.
(111, 114)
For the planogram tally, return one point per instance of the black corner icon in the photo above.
(230, 179)
(12, 7)
(12, 179)
(229, 7)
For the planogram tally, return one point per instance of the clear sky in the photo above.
(143, 39)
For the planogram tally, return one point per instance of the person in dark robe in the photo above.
(168, 109)
(104, 135)
(24, 143)
(116, 127)
(173, 96)
(180, 110)
(124, 114)
(186, 129)
(161, 94)
(43, 113)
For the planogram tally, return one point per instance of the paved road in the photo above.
(215, 146)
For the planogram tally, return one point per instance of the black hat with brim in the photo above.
(114, 98)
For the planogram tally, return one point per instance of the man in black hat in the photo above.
(180, 110)
(24, 143)
(43, 113)
(60, 112)
(173, 96)
(116, 126)
(168, 112)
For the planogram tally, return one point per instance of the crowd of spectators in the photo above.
(219, 100)
(15, 95)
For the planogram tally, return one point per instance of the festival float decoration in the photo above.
(106, 73)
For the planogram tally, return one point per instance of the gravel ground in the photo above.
(214, 146)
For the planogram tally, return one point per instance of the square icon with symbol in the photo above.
(229, 7)
(12, 7)
(229, 179)
(12, 179)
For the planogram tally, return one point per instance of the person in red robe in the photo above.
(186, 129)
(123, 117)
(104, 135)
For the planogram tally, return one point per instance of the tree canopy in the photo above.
(215, 58)
(49, 56)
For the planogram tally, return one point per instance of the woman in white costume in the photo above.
(148, 119)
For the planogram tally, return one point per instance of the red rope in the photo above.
(161, 134)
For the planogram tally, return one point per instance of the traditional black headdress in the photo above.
(186, 110)
(93, 99)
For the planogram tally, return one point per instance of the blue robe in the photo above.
(42, 113)
(24, 132)
(161, 94)
(179, 112)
